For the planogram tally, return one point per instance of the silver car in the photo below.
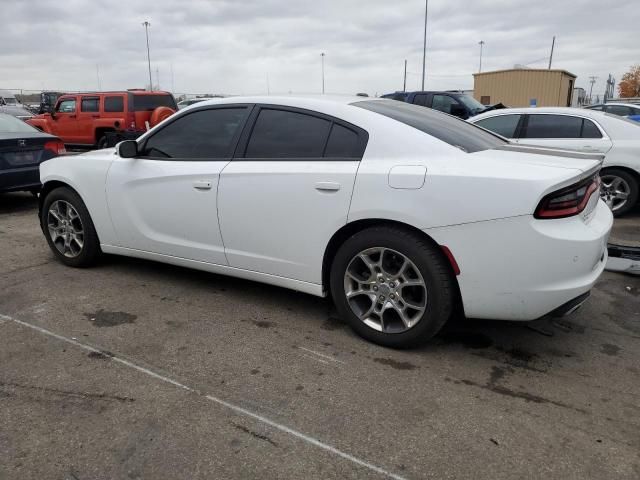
(9, 104)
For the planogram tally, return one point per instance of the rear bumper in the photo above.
(521, 268)
(16, 179)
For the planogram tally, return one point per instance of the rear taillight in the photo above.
(55, 146)
(568, 201)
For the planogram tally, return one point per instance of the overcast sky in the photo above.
(224, 46)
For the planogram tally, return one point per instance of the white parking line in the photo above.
(231, 406)
(321, 355)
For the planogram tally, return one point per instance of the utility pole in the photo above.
(157, 78)
(98, 75)
(424, 43)
(404, 85)
(481, 43)
(173, 87)
(553, 43)
(322, 57)
(592, 80)
(146, 25)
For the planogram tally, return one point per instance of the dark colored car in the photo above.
(22, 150)
(454, 103)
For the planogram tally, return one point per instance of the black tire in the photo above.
(102, 142)
(90, 250)
(634, 188)
(432, 265)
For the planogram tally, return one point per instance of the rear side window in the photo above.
(552, 126)
(90, 104)
(504, 125)
(144, 103)
(285, 134)
(114, 104)
(451, 130)
(589, 129)
(343, 142)
(204, 134)
(443, 103)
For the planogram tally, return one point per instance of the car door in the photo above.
(65, 120)
(86, 116)
(564, 131)
(165, 200)
(287, 191)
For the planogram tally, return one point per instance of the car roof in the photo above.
(584, 112)
(300, 101)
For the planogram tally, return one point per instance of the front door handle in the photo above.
(327, 186)
(202, 185)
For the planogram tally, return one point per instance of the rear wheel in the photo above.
(619, 190)
(102, 142)
(68, 228)
(393, 287)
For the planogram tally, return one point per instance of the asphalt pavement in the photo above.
(138, 370)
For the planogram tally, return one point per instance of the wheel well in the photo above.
(352, 228)
(101, 131)
(48, 187)
(628, 170)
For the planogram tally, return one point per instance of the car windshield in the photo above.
(471, 103)
(10, 124)
(143, 103)
(451, 130)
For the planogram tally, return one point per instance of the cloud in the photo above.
(234, 47)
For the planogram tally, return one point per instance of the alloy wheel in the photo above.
(385, 290)
(65, 228)
(614, 191)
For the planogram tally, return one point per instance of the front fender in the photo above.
(41, 124)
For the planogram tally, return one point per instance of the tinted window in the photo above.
(114, 104)
(504, 125)
(453, 131)
(552, 126)
(142, 103)
(203, 134)
(284, 134)
(343, 142)
(618, 110)
(589, 130)
(420, 99)
(443, 103)
(67, 106)
(599, 108)
(90, 104)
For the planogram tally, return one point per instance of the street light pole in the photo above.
(424, 44)
(481, 43)
(322, 57)
(146, 25)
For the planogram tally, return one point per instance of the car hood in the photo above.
(547, 157)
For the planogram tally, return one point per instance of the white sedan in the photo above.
(402, 214)
(579, 129)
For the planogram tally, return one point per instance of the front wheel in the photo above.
(68, 228)
(392, 286)
(619, 190)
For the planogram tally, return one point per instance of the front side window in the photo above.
(286, 134)
(552, 126)
(621, 110)
(504, 125)
(204, 134)
(90, 104)
(114, 104)
(67, 106)
(443, 103)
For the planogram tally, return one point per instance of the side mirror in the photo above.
(458, 111)
(127, 149)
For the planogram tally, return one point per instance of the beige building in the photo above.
(524, 87)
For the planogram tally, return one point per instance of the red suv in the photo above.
(105, 118)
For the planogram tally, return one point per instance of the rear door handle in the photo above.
(202, 185)
(327, 186)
